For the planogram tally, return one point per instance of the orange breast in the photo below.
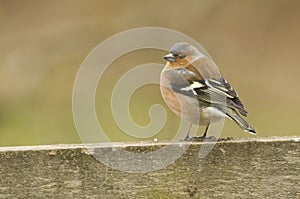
(184, 106)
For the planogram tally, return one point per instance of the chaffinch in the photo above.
(195, 90)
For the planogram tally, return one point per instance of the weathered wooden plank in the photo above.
(260, 168)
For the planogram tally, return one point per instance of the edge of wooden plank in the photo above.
(148, 143)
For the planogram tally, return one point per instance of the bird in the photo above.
(195, 90)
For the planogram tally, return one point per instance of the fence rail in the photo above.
(253, 168)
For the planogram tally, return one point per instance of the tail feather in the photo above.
(241, 122)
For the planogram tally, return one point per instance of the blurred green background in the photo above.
(256, 45)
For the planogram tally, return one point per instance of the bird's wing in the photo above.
(189, 82)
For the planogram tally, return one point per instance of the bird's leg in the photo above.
(205, 132)
(200, 138)
(187, 137)
(210, 138)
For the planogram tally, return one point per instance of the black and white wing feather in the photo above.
(210, 91)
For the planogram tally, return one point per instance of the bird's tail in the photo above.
(241, 122)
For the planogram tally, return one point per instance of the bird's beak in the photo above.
(170, 57)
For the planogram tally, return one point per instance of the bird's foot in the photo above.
(200, 138)
(205, 139)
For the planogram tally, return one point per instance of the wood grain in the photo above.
(255, 168)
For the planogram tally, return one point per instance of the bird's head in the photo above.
(181, 54)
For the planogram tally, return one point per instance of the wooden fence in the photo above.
(254, 168)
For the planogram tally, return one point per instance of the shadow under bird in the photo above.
(194, 89)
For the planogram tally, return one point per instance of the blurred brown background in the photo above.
(42, 44)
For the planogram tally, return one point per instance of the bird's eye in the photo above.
(178, 55)
(175, 54)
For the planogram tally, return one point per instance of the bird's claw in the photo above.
(200, 138)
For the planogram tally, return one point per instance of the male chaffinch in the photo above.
(195, 90)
